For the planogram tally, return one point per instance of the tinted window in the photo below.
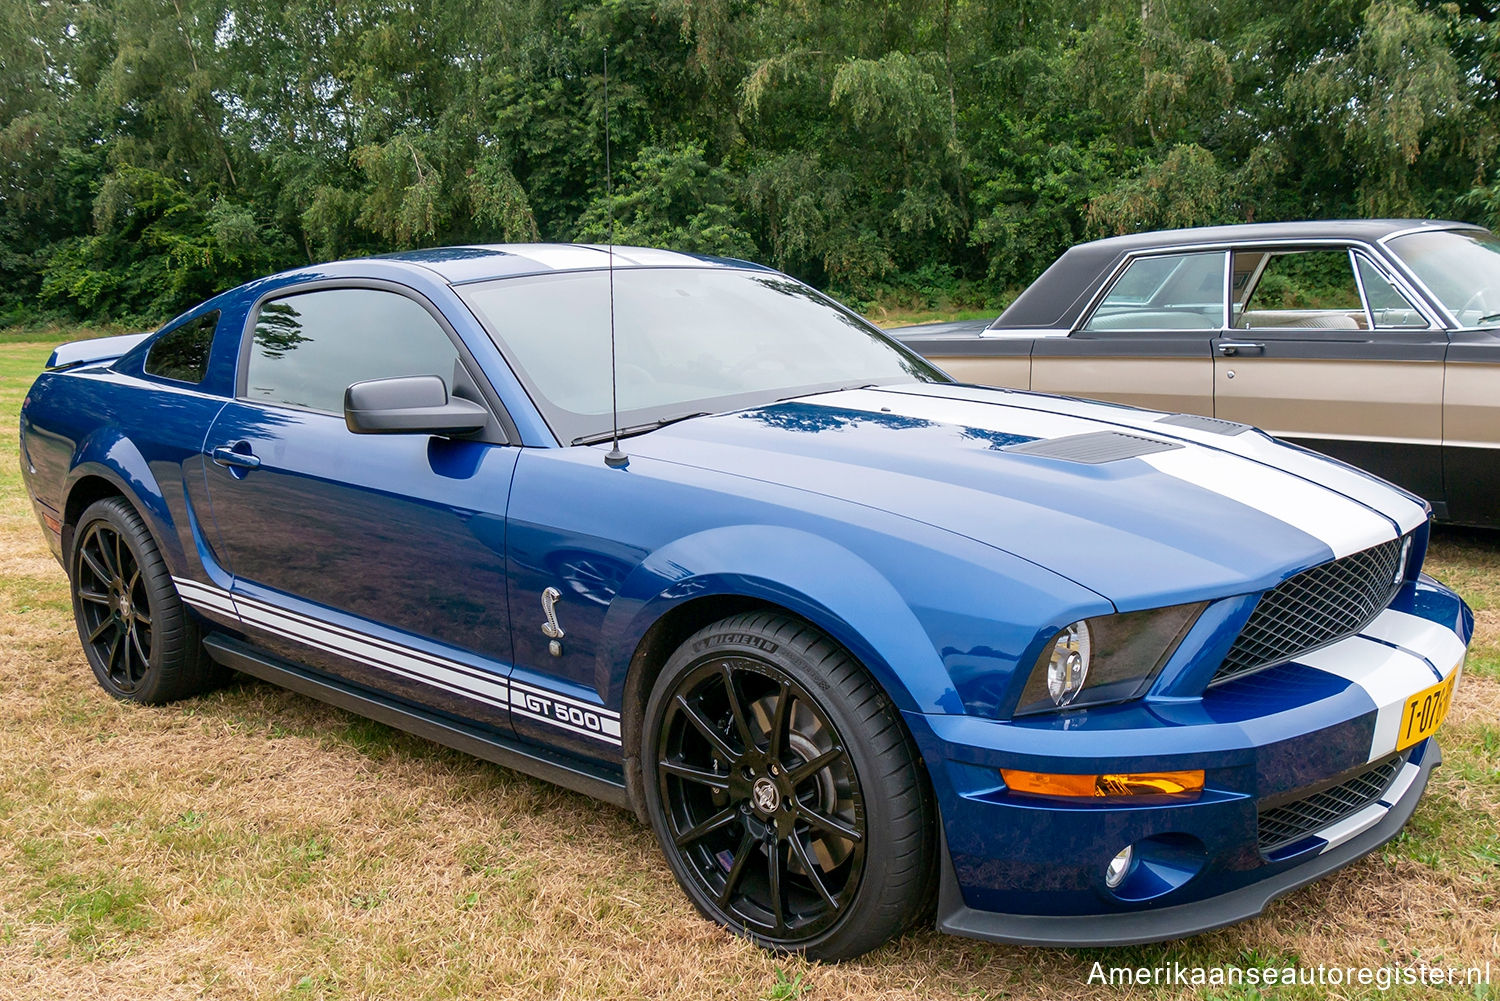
(687, 340)
(308, 348)
(182, 354)
(1167, 292)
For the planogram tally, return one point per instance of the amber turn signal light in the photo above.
(1188, 783)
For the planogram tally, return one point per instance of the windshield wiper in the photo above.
(1492, 318)
(604, 436)
(821, 392)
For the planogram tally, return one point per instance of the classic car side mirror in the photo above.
(412, 404)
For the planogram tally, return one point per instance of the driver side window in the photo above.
(306, 349)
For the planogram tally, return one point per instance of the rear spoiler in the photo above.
(93, 351)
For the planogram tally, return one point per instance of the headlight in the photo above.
(1109, 658)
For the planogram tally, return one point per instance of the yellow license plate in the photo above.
(1424, 712)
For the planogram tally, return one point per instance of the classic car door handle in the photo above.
(1231, 348)
(226, 456)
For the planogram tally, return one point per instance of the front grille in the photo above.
(1291, 822)
(1314, 608)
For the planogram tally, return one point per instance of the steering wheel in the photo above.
(1478, 300)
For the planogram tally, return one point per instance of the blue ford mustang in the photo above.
(854, 639)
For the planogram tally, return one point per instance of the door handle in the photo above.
(227, 456)
(1230, 349)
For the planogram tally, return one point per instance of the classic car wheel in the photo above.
(799, 820)
(136, 633)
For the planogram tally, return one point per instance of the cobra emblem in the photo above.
(551, 628)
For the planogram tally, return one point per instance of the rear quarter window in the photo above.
(181, 354)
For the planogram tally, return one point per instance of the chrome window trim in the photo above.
(1426, 303)
(1228, 303)
(1022, 333)
(1398, 283)
(1114, 276)
(1359, 283)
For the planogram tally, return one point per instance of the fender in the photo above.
(108, 454)
(806, 574)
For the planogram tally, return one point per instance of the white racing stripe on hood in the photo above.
(1344, 525)
(1369, 490)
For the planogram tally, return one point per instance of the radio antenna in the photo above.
(616, 458)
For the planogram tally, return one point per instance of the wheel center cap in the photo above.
(124, 606)
(765, 795)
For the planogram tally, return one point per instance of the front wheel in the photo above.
(139, 639)
(785, 791)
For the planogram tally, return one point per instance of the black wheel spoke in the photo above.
(773, 878)
(119, 560)
(723, 818)
(94, 597)
(829, 824)
(100, 573)
(142, 618)
(104, 624)
(140, 651)
(116, 644)
(702, 776)
(780, 720)
(715, 739)
(737, 709)
(808, 769)
(736, 868)
(811, 868)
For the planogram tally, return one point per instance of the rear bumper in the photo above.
(1181, 920)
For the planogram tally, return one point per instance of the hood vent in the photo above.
(1200, 423)
(1093, 448)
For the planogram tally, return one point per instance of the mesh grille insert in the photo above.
(1314, 608)
(1291, 822)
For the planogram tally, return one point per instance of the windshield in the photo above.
(1461, 268)
(688, 341)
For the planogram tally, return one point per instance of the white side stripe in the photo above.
(454, 677)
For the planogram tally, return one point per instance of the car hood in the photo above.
(1142, 507)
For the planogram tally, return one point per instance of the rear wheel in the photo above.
(784, 790)
(139, 638)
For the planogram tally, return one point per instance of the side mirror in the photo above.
(412, 404)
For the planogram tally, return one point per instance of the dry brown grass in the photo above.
(256, 844)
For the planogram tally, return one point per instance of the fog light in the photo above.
(1114, 873)
(1069, 665)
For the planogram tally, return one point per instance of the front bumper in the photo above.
(1180, 920)
(1028, 869)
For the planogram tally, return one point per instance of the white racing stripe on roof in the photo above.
(1344, 525)
(1387, 675)
(564, 258)
(1368, 490)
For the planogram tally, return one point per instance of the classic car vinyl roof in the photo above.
(1054, 299)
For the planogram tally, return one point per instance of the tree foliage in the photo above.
(153, 152)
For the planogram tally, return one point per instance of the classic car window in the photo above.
(182, 354)
(1302, 288)
(1165, 292)
(688, 340)
(1390, 309)
(306, 349)
(1462, 269)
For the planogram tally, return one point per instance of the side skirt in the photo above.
(538, 763)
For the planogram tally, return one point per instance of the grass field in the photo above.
(255, 844)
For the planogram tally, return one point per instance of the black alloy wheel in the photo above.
(800, 821)
(139, 638)
(115, 613)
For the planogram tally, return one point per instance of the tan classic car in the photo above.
(1374, 341)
